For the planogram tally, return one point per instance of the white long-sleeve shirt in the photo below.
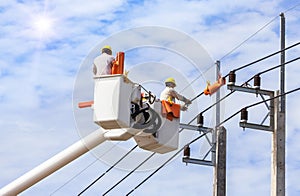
(103, 64)
(170, 94)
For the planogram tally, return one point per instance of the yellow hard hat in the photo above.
(171, 80)
(107, 47)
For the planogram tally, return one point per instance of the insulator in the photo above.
(257, 82)
(244, 115)
(200, 120)
(231, 80)
(187, 151)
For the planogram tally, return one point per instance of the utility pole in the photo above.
(282, 61)
(220, 166)
(278, 139)
(219, 149)
(278, 152)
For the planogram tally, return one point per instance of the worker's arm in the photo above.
(180, 97)
(111, 61)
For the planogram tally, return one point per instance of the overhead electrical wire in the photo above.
(230, 117)
(249, 64)
(275, 97)
(264, 58)
(131, 151)
(173, 156)
(227, 75)
(256, 61)
(268, 56)
(243, 42)
(149, 157)
(202, 94)
(235, 48)
(210, 108)
(275, 67)
(218, 125)
(80, 172)
(146, 158)
(257, 103)
(286, 11)
(201, 112)
(262, 72)
(291, 8)
(103, 174)
(244, 66)
(74, 176)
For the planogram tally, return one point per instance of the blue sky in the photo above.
(44, 45)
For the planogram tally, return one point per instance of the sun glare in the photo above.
(43, 26)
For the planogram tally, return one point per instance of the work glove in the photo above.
(187, 101)
(183, 107)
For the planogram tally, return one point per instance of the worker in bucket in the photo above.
(169, 94)
(104, 62)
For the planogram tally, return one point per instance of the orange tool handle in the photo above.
(85, 104)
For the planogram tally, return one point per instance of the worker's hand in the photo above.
(183, 108)
(187, 101)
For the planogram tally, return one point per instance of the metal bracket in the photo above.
(250, 90)
(199, 129)
(195, 128)
(256, 126)
(261, 92)
(197, 161)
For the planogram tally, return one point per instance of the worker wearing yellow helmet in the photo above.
(104, 62)
(170, 94)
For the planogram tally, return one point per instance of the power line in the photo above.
(182, 129)
(145, 159)
(287, 10)
(278, 66)
(74, 176)
(249, 37)
(103, 174)
(142, 182)
(291, 8)
(224, 121)
(265, 71)
(275, 97)
(209, 107)
(257, 103)
(272, 68)
(235, 48)
(197, 96)
(149, 157)
(202, 94)
(231, 93)
(81, 171)
(220, 100)
(242, 67)
(263, 58)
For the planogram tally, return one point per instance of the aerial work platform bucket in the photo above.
(115, 99)
(165, 138)
(113, 95)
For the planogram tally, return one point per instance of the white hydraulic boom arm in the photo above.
(55, 163)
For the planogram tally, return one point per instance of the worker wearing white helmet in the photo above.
(104, 62)
(170, 94)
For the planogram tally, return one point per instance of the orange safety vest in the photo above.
(170, 110)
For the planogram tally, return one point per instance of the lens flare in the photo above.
(43, 26)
